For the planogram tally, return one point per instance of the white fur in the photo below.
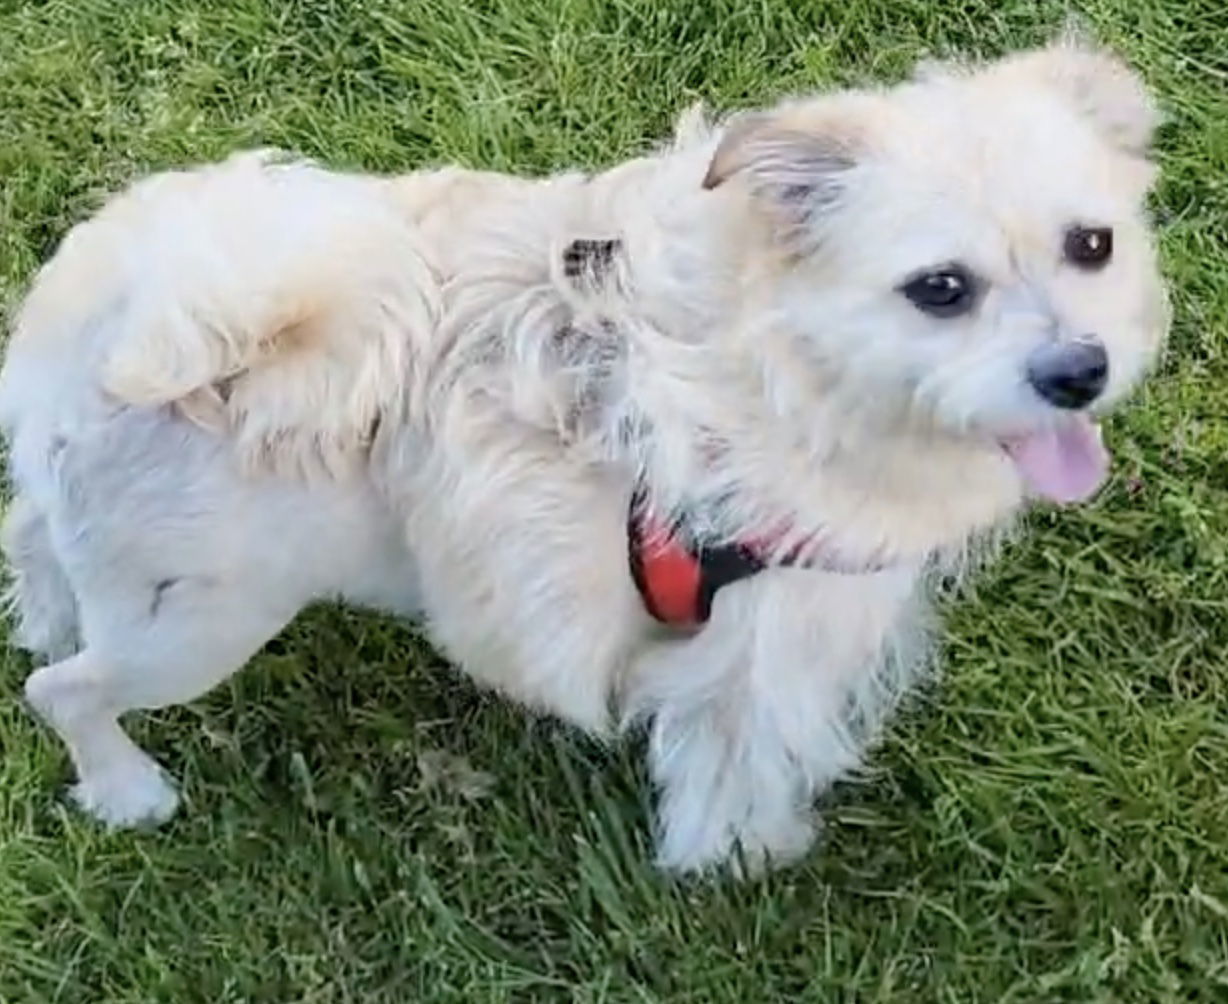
(245, 387)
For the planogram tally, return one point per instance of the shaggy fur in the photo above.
(256, 384)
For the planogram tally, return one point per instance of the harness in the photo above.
(677, 579)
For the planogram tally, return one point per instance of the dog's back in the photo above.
(277, 300)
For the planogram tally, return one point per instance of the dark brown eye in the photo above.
(944, 292)
(1088, 247)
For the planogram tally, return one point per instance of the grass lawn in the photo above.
(1048, 823)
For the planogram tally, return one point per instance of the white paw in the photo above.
(138, 795)
(745, 851)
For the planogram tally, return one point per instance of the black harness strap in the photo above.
(720, 567)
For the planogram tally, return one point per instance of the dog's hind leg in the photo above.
(189, 636)
(39, 592)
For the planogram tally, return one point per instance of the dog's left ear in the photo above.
(1100, 85)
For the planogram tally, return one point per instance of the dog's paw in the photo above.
(139, 795)
(744, 853)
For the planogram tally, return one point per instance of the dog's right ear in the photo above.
(776, 152)
(796, 161)
(793, 158)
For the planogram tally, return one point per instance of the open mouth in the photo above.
(1064, 463)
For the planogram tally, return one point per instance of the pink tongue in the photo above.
(1065, 464)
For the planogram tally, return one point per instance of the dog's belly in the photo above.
(151, 498)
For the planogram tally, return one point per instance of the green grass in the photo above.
(1050, 823)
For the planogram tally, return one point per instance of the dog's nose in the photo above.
(1069, 374)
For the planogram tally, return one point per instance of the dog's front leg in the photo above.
(771, 701)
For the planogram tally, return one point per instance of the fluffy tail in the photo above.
(278, 300)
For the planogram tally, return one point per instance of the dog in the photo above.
(685, 444)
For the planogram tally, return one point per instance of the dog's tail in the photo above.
(287, 304)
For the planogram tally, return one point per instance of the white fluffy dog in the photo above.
(681, 442)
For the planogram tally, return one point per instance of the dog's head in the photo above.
(968, 253)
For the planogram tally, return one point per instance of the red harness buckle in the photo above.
(678, 580)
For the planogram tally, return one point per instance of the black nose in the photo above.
(1069, 374)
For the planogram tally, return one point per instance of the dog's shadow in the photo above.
(351, 758)
(352, 719)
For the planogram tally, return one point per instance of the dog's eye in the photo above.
(945, 292)
(1088, 247)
